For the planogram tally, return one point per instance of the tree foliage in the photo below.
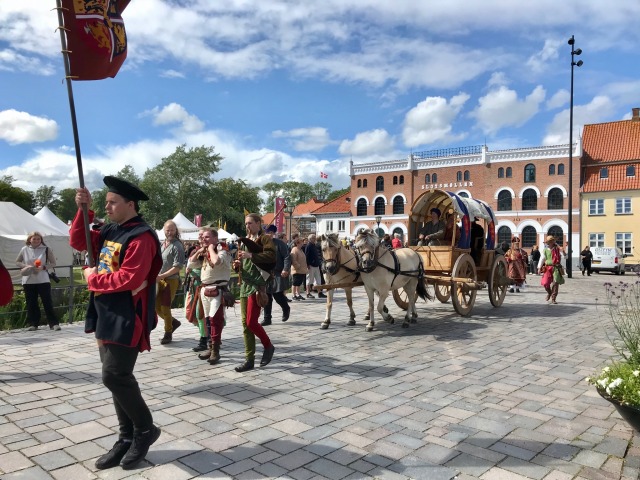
(9, 193)
(227, 203)
(44, 196)
(65, 208)
(294, 193)
(322, 190)
(336, 193)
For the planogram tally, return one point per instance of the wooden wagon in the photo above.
(450, 268)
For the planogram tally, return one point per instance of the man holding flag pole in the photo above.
(121, 313)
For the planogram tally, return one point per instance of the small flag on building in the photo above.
(324, 175)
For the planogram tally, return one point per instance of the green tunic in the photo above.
(251, 276)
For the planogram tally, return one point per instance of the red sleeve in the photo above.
(132, 272)
(77, 238)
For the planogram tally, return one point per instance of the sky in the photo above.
(284, 90)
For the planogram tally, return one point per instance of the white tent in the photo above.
(48, 217)
(223, 234)
(16, 224)
(188, 230)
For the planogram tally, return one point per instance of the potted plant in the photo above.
(619, 381)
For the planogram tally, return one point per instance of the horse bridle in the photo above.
(336, 261)
(396, 270)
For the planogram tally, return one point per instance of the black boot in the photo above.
(267, 355)
(113, 457)
(202, 345)
(207, 353)
(214, 357)
(140, 447)
(247, 365)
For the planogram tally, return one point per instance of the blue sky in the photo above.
(286, 89)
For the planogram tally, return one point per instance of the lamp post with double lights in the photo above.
(574, 52)
(289, 211)
(378, 220)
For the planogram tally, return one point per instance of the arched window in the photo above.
(364, 183)
(467, 175)
(529, 199)
(399, 231)
(555, 199)
(361, 209)
(463, 195)
(501, 172)
(529, 237)
(459, 176)
(395, 179)
(379, 206)
(427, 178)
(604, 172)
(359, 183)
(401, 179)
(434, 177)
(505, 201)
(509, 172)
(631, 171)
(530, 173)
(398, 205)
(379, 184)
(552, 169)
(504, 235)
(557, 233)
(561, 169)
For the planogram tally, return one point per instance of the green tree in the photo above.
(180, 183)
(44, 196)
(294, 192)
(9, 193)
(99, 197)
(321, 190)
(66, 208)
(227, 203)
(336, 193)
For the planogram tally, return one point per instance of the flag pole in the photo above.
(74, 124)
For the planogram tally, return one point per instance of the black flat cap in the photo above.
(124, 189)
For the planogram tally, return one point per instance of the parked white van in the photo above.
(607, 259)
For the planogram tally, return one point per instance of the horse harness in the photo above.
(396, 265)
(356, 272)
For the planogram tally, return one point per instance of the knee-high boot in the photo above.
(215, 354)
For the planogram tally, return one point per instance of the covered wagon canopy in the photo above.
(466, 208)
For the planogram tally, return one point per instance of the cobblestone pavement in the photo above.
(498, 395)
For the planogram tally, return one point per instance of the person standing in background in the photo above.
(279, 281)
(534, 258)
(169, 279)
(586, 257)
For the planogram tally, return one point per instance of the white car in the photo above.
(607, 259)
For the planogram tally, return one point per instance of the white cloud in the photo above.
(12, 61)
(497, 79)
(539, 62)
(431, 121)
(175, 113)
(559, 99)
(600, 109)
(172, 74)
(368, 143)
(22, 127)
(502, 108)
(306, 139)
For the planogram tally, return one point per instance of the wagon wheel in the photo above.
(462, 297)
(400, 296)
(498, 281)
(443, 292)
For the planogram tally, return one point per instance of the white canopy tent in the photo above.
(48, 217)
(16, 224)
(188, 230)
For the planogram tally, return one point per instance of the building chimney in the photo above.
(635, 114)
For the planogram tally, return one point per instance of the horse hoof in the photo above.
(413, 320)
(324, 326)
(405, 325)
(367, 317)
(414, 314)
(351, 322)
(369, 329)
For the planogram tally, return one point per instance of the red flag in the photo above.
(197, 219)
(324, 175)
(96, 39)
(6, 287)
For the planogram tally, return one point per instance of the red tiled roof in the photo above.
(610, 142)
(342, 204)
(617, 180)
(306, 208)
(267, 218)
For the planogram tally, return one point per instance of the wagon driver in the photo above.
(433, 231)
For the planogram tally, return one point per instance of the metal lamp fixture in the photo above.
(378, 220)
(288, 209)
(574, 52)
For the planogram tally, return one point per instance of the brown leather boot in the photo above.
(215, 354)
(207, 353)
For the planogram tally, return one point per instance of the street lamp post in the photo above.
(378, 220)
(289, 211)
(574, 53)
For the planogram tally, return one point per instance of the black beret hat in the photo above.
(271, 229)
(436, 211)
(124, 189)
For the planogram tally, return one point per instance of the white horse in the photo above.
(383, 270)
(340, 266)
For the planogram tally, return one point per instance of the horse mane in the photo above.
(367, 236)
(331, 239)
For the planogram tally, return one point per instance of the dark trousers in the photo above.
(280, 299)
(552, 291)
(31, 293)
(133, 414)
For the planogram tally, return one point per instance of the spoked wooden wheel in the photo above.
(443, 292)
(498, 281)
(463, 297)
(400, 296)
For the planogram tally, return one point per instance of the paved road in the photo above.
(499, 395)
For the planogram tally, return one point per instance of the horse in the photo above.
(339, 265)
(401, 268)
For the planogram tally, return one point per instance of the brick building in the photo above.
(526, 187)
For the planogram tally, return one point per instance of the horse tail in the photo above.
(422, 291)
